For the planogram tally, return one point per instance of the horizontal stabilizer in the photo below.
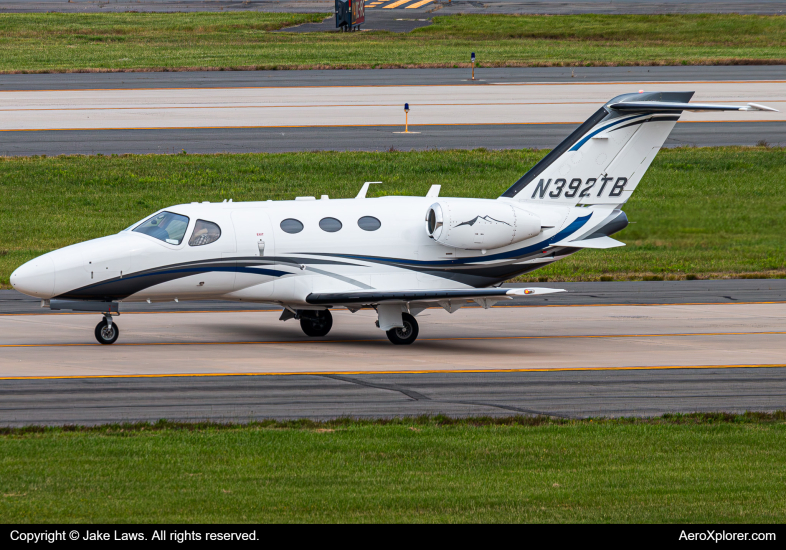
(663, 106)
(599, 242)
(378, 296)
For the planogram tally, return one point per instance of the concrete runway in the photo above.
(278, 111)
(358, 106)
(563, 361)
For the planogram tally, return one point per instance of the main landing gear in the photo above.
(316, 323)
(402, 328)
(403, 336)
(107, 331)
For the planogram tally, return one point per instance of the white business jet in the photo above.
(397, 255)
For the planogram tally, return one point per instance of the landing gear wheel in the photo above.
(316, 323)
(106, 334)
(407, 335)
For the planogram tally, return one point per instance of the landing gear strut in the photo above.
(405, 335)
(316, 323)
(107, 331)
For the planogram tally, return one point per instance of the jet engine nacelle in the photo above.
(479, 224)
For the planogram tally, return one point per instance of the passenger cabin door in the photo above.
(255, 250)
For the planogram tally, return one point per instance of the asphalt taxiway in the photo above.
(387, 77)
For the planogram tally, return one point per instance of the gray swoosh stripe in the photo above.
(340, 278)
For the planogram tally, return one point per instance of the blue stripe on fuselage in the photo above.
(574, 226)
(241, 269)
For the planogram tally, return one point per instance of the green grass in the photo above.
(697, 468)
(150, 41)
(712, 212)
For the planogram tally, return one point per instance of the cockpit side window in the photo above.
(165, 226)
(204, 233)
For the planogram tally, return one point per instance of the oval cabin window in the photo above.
(369, 223)
(331, 225)
(291, 226)
(204, 233)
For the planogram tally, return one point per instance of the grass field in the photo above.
(147, 41)
(712, 212)
(700, 468)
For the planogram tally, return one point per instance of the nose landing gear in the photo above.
(107, 331)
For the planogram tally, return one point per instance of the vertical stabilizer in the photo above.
(603, 161)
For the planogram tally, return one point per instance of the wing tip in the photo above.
(533, 291)
(757, 107)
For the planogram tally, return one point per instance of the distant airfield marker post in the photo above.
(406, 121)
(473, 65)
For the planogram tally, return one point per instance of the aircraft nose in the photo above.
(36, 277)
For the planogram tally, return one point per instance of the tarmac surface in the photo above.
(571, 394)
(368, 138)
(570, 361)
(360, 106)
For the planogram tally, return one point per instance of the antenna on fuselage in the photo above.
(363, 190)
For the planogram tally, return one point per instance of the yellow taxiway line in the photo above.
(433, 307)
(356, 372)
(373, 340)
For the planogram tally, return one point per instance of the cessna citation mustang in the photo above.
(398, 255)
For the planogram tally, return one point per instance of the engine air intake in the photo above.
(479, 224)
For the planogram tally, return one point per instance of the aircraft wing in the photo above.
(362, 297)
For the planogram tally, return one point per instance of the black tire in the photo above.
(404, 336)
(316, 323)
(104, 334)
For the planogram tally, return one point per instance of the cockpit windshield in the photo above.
(165, 226)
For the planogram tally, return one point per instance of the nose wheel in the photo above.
(405, 335)
(316, 323)
(107, 331)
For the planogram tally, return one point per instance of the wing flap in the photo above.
(441, 295)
